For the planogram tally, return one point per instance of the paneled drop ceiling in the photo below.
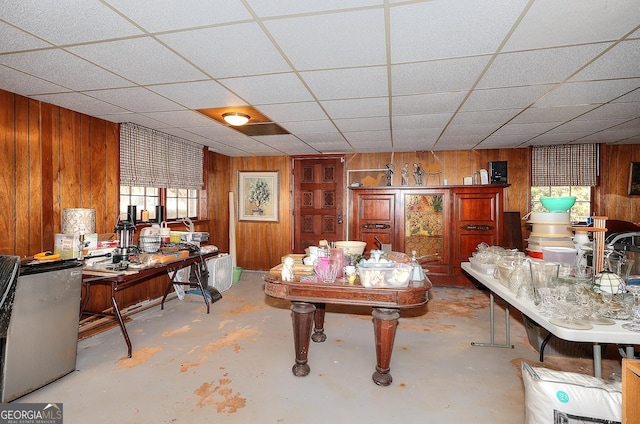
(341, 76)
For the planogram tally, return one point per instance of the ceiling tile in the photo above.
(168, 15)
(504, 98)
(270, 8)
(135, 118)
(550, 23)
(530, 129)
(477, 131)
(291, 112)
(484, 117)
(76, 21)
(538, 66)
(372, 136)
(324, 126)
(613, 111)
(70, 71)
(436, 77)
(356, 108)
(198, 95)
(141, 60)
(14, 40)
(135, 99)
(551, 114)
(435, 120)
(185, 118)
(591, 92)
(347, 83)
(334, 40)
(619, 62)
(79, 103)
(262, 89)
(440, 29)
(21, 83)
(427, 103)
(363, 124)
(221, 51)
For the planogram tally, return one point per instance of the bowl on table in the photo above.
(558, 204)
(352, 247)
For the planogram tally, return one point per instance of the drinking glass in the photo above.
(543, 274)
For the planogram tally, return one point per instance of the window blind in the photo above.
(150, 158)
(564, 165)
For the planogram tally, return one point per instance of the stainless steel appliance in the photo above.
(41, 339)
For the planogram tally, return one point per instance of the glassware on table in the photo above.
(543, 275)
(326, 269)
(635, 309)
(518, 276)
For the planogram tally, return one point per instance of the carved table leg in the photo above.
(302, 314)
(385, 321)
(318, 335)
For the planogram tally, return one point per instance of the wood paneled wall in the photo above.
(52, 158)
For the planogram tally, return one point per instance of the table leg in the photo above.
(507, 325)
(597, 360)
(385, 321)
(318, 335)
(302, 314)
(116, 309)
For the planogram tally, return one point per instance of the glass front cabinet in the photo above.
(442, 225)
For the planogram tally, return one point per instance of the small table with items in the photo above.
(308, 301)
(119, 280)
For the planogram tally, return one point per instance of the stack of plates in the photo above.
(548, 229)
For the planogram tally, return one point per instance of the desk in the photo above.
(599, 334)
(121, 281)
(308, 301)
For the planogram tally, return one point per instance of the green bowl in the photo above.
(558, 204)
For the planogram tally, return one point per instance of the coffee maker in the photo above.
(126, 249)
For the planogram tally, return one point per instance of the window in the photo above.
(579, 212)
(159, 169)
(178, 203)
(564, 170)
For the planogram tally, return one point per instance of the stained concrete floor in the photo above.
(234, 365)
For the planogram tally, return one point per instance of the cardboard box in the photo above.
(68, 246)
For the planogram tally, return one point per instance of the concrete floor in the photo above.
(234, 365)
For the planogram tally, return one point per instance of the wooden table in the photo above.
(119, 281)
(308, 301)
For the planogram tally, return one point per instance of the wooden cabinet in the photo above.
(630, 391)
(443, 224)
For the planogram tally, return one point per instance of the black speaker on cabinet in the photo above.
(498, 172)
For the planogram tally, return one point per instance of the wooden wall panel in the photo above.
(8, 182)
(260, 245)
(52, 158)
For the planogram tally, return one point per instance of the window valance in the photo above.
(150, 158)
(564, 165)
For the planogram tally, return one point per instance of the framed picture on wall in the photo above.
(258, 195)
(634, 179)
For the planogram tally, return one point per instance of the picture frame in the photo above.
(634, 179)
(258, 195)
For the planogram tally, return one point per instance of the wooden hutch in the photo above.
(442, 224)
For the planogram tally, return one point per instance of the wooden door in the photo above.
(318, 201)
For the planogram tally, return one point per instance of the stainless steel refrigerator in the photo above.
(40, 339)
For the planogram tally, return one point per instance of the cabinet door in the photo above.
(425, 227)
(477, 219)
(375, 218)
